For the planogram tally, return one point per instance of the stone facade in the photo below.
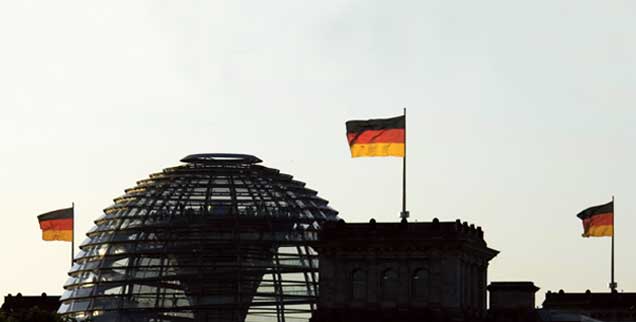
(432, 270)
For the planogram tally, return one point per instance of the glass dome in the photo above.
(219, 238)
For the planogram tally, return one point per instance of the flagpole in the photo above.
(404, 214)
(73, 233)
(613, 284)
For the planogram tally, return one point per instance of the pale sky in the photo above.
(520, 115)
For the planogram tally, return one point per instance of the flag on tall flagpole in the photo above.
(377, 137)
(57, 225)
(598, 221)
(380, 138)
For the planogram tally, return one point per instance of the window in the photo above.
(420, 284)
(389, 285)
(359, 285)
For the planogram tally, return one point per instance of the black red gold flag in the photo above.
(377, 137)
(598, 221)
(57, 225)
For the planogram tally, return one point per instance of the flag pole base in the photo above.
(404, 214)
(613, 286)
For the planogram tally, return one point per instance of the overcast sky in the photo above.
(520, 115)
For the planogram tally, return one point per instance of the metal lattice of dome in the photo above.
(219, 238)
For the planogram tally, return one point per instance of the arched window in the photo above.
(359, 284)
(390, 285)
(420, 284)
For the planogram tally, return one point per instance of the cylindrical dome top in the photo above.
(221, 158)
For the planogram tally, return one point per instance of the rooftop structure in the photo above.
(18, 303)
(218, 238)
(423, 271)
(514, 301)
(613, 306)
(512, 295)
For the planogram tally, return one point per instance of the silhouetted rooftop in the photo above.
(20, 302)
(512, 286)
(589, 300)
(405, 231)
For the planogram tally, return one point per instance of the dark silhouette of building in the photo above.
(598, 306)
(19, 303)
(222, 238)
(512, 301)
(433, 271)
(218, 238)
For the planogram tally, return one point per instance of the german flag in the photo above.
(598, 221)
(57, 225)
(377, 137)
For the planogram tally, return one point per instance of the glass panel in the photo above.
(162, 240)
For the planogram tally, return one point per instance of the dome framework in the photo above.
(220, 238)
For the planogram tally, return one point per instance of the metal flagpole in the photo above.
(73, 233)
(404, 214)
(613, 284)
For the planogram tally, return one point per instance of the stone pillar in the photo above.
(436, 279)
(452, 287)
(342, 280)
(475, 285)
(405, 278)
(373, 278)
(484, 281)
